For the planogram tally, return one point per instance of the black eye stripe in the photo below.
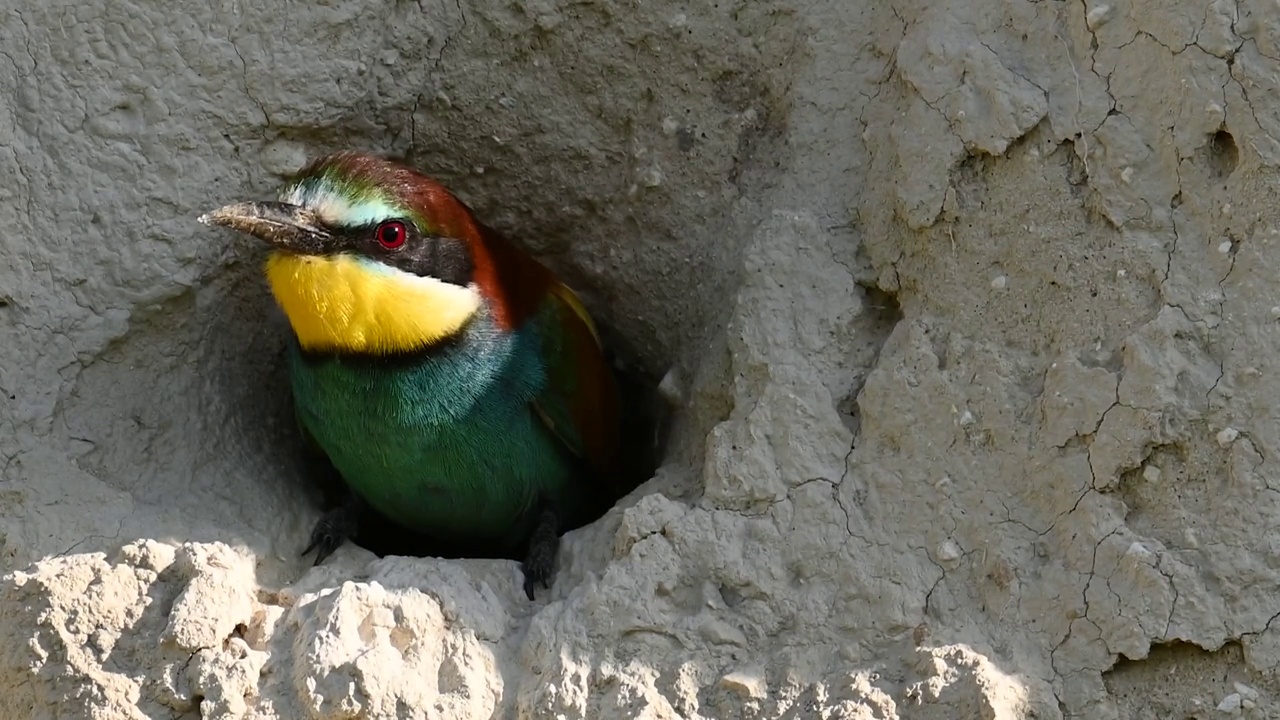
(443, 258)
(359, 237)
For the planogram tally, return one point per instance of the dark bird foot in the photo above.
(333, 529)
(540, 559)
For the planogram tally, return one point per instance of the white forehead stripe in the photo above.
(335, 208)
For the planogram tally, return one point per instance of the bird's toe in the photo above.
(540, 559)
(537, 571)
(331, 532)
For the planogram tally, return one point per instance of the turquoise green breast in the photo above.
(448, 444)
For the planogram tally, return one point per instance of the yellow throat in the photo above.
(340, 303)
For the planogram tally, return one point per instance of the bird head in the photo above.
(368, 256)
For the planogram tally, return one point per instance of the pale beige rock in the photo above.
(968, 311)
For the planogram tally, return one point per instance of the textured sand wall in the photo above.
(968, 309)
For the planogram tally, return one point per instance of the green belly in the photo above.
(447, 444)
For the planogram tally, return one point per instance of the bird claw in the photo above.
(332, 531)
(539, 561)
(537, 571)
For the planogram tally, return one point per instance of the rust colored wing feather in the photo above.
(580, 403)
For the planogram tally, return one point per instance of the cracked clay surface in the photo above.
(967, 310)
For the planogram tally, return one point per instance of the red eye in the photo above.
(392, 234)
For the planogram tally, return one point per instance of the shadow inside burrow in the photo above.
(266, 419)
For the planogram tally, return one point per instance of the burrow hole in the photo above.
(1222, 155)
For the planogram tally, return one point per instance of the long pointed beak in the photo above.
(288, 227)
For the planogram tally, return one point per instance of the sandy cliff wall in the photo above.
(969, 310)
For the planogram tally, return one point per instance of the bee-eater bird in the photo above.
(455, 383)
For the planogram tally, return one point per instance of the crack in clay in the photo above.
(1204, 22)
(1093, 573)
(87, 538)
(413, 122)
(1221, 318)
(186, 665)
(13, 61)
(1105, 79)
(1053, 654)
(835, 258)
(1262, 461)
(889, 62)
(1245, 93)
(8, 460)
(1264, 628)
(1173, 586)
(1093, 472)
(1015, 73)
(1118, 600)
(26, 36)
(1084, 143)
(1010, 519)
(848, 519)
(942, 574)
(444, 46)
(834, 494)
(1152, 38)
(1235, 18)
(1093, 59)
(1173, 221)
(1097, 425)
(1232, 253)
(950, 125)
(244, 76)
(1226, 104)
(1258, 49)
